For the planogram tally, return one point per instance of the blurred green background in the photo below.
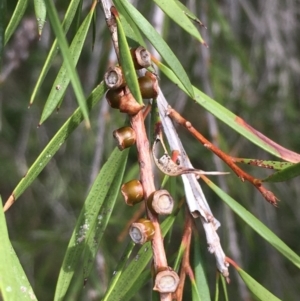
(252, 67)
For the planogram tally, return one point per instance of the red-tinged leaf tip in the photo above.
(114, 11)
(205, 44)
(9, 202)
(233, 263)
(38, 126)
(284, 153)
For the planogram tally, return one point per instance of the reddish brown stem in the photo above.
(268, 195)
(146, 178)
(185, 265)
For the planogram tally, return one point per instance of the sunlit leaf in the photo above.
(14, 284)
(53, 146)
(70, 13)
(158, 43)
(86, 225)
(255, 224)
(172, 9)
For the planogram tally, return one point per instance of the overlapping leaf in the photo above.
(54, 145)
(232, 120)
(90, 218)
(256, 224)
(127, 64)
(70, 13)
(158, 43)
(69, 65)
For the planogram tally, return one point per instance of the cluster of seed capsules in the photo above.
(119, 97)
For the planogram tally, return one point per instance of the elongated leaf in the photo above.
(54, 145)
(130, 29)
(134, 270)
(55, 23)
(232, 120)
(284, 174)
(119, 270)
(276, 165)
(201, 280)
(40, 14)
(53, 51)
(255, 224)
(14, 284)
(224, 286)
(255, 287)
(158, 43)
(89, 215)
(63, 78)
(189, 13)
(15, 19)
(98, 225)
(172, 9)
(127, 64)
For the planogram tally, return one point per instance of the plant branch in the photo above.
(268, 195)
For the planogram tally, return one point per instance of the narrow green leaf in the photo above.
(14, 284)
(224, 285)
(256, 288)
(63, 78)
(158, 43)
(40, 14)
(15, 19)
(172, 9)
(71, 11)
(276, 165)
(99, 224)
(256, 224)
(232, 120)
(201, 280)
(89, 216)
(55, 23)
(119, 270)
(139, 283)
(189, 13)
(134, 270)
(55, 143)
(127, 64)
(131, 31)
(284, 174)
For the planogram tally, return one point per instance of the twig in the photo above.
(144, 159)
(268, 195)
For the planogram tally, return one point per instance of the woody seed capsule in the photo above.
(125, 136)
(141, 231)
(132, 192)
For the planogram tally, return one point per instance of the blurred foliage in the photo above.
(252, 67)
